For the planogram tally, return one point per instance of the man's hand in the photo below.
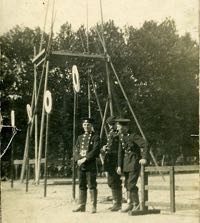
(104, 148)
(119, 170)
(81, 161)
(143, 161)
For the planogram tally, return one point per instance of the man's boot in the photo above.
(93, 195)
(117, 200)
(82, 201)
(129, 202)
(136, 204)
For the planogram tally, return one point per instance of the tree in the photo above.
(157, 68)
(162, 68)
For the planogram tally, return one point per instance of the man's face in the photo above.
(122, 128)
(87, 127)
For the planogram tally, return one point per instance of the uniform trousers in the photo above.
(87, 179)
(131, 179)
(114, 180)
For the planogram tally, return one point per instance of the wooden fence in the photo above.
(171, 170)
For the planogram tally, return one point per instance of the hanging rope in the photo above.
(14, 133)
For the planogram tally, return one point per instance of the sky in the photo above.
(31, 13)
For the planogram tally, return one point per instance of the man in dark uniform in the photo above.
(86, 151)
(132, 153)
(111, 163)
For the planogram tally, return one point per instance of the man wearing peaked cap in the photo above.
(111, 120)
(86, 151)
(110, 164)
(132, 152)
(87, 120)
(122, 121)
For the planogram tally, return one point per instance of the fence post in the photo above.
(172, 189)
(144, 193)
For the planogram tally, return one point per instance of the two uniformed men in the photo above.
(124, 153)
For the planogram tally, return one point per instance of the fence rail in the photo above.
(171, 170)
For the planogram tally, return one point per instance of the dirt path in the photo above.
(21, 207)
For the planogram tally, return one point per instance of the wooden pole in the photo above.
(25, 149)
(89, 96)
(12, 160)
(172, 190)
(36, 117)
(109, 89)
(46, 155)
(24, 157)
(105, 53)
(27, 157)
(104, 118)
(42, 126)
(199, 98)
(43, 31)
(144, 193)
(74, 142)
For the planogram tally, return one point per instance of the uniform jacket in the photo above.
(87, 145)
(110, 162)
(132, 148)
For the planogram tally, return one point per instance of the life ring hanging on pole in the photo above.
(47, 101)
(29, 112)
(75, 76)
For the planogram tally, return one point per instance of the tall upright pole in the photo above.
(12, 160)
(42, 127)
(107, 69)
(46, 156)
(43, 31)
(36, 117)
(199, 103)
(88, 70)
(89, 95)
(74, 141)
(12, 148)
(27, 156)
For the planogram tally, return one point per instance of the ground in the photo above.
(32, 207)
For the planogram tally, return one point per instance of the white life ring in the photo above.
(29, 112)
(75, 76)
(12, 118)
(47, 101)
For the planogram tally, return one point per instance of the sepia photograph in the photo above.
(99, 111)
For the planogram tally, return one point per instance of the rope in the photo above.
(14, 133)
